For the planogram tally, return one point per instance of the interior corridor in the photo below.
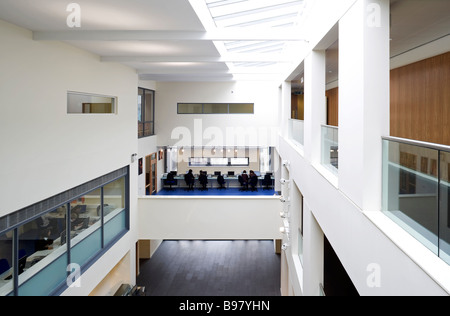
(212, 268)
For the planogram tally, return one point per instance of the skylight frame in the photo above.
(253, 17)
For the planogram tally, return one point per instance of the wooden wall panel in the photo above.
(420, 100)
(333, 107)
(298, 107)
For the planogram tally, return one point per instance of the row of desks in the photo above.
(230, 181)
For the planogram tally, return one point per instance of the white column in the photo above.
(363, 100)
(312, 253)
(315, 104)
(286, 92)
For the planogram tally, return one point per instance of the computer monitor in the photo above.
(269, 173)
(63, 237)
(231, 173)
(174, 173)
(217, 173)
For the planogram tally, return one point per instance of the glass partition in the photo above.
(297, 130)
(6, 264)
(244, 108)
(114, 198)
(330, 148)
(416, 192)
(85, 223)
(444, 206)
(146, 112)
(215, 108)
(84, 103)
(43, 246)
(42, 254)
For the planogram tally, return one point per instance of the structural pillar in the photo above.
(315, 104)
(364, 68)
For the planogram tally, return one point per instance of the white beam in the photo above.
(231, 58)
(186, 77)
(209, 78)
(217, 35)
(214, 72)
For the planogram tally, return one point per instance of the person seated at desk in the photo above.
(203, 179)
(170, 181)
(44, 242)
(243, 179)
(253, 180)
(221, 181)
(190, 180)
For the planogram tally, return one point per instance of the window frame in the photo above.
(114, 103)
(207, 162)
(142, 123)
(203, 112)
(70, 196)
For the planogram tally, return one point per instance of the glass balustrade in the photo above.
(416, 191)
(330, 148)
(297, 131)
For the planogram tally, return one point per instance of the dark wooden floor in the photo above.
(212, 268)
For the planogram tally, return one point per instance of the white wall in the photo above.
(148, 146)
(347, 208)
(356, 239)
(45, 151)
(259, 129)
(209, 218)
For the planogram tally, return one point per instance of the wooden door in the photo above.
(151, 167)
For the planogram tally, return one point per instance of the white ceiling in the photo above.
(151, 35)
(414, 23)
(418, 22)
(168, 55)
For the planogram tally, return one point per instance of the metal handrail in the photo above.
(418, 143)
(330, 126)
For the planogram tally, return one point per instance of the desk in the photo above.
(6, 286)
(232, 181)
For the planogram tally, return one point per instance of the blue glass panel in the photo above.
(87, 248)
(46, 280)
(115, 227)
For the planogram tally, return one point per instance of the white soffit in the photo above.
(201, 39)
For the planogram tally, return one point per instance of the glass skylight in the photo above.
(255, 16)
(259, 13)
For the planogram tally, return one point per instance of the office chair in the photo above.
(254, 183)
(4, 266)
(244, 183)
(267, 182)
(221, 181)
(170, 181)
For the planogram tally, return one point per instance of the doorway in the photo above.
(336, 280)
(151, 172)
